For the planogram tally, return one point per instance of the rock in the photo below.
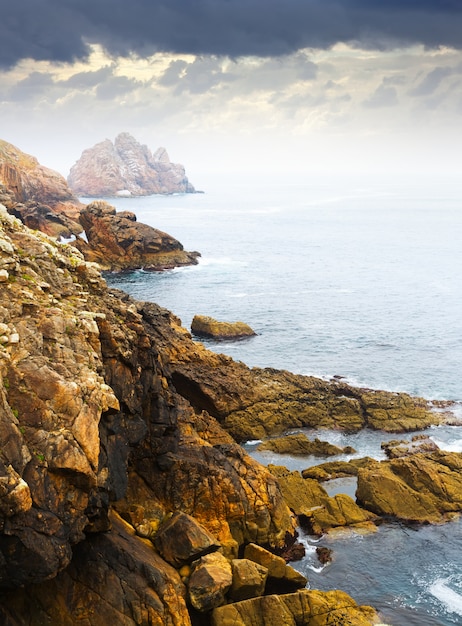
(116, 241)
(114, 578)
(275, 565)
(181, 540)
(126, 168)
(303, 608)
(324, 554)
(420, 443)
(282, 578)
(38, 196)
(249, 579)
(209, 582)
(424, 488)
(89, 416)
(204, 326)
(336, 469)
(316, 510)
(299, 443)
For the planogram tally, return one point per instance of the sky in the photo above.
(241, 87)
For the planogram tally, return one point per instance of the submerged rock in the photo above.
(204, 326)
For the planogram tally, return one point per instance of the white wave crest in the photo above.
(447, 596)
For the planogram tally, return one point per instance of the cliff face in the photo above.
(40, 197)
(126, 167)
(90, 416)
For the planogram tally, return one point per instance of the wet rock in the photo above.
(181, 540)
(396, 449)
(324, 554)
(204, 326)
(299, 444)
(304, 608)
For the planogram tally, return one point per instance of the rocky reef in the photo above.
(103, 445)
(126, 168)
(39, 196)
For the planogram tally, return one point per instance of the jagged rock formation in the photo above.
(126, 167)
(422, 487)
(116, 241)
(40, 197)
(316, 510)
(205, 326)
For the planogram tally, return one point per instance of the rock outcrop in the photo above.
(126, 168)
(424, 488)
(256, 403)
(317, 512)
(304, 608)
(205, 326)
(39, 196)
(116, 241)
(299, 444)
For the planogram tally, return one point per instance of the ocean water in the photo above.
(337, 277)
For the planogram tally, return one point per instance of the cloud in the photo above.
(60, 30)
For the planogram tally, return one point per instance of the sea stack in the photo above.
(126, 168)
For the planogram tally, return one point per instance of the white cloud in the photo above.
(315, 109)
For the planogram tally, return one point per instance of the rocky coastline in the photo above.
(114, 422)
(125, 495)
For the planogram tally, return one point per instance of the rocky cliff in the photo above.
(116, 426)
(40, 197)
(126, 167)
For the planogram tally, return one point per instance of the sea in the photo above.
(351, 277)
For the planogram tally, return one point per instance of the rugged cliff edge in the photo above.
(126, 168)
(40, 197)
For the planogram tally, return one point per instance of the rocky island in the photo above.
(126, 168)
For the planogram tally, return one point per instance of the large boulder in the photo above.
(205, 326)
(210, 581)
(181, 540)
(303, 608)
(116, 241)
(37, 195)
(249, 579)
(425, 488)
(126, 168)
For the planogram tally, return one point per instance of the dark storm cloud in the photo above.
(58, 30)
